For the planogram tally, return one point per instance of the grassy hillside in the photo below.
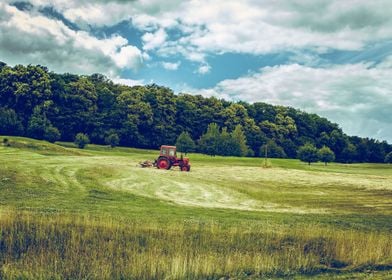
(95, 213)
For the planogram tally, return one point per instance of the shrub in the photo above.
(112, 139)
(6, 142)
(52, 134)
(81, 140)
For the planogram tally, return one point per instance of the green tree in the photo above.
(254, 136)
(286, 125)
(40, 127)
(234, 115)
(81, 140)
(388, 158)
(184, 143)
(326, 155)
(225, 147)
(308, 153)
(112, 139)
(138, 116)
(22, 88)
(10, 123)
(209, 142)
(239, 141)
(289, 148)
(273, 150)
(349, 153)
(162, 103)
(76, 107)
(324, 139)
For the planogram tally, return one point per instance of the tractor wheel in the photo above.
(163, 163)
(186, 168)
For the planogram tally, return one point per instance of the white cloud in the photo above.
(204, 69)
(128, 57)
(247, 26)
(171, 65)
(29, 37)
(154, 40)
(356, 96)
(128, 82)
(242, 26)
(100, 13)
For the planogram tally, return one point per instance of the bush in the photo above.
(6, 142)
(81, 140)
(52, 134)
(112, 139)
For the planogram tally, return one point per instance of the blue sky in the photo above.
(330, 57)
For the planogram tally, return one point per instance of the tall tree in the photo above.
(40, 127)
(209, 142)
(239, 139)
(76, 108)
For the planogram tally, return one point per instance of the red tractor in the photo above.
(168, 158)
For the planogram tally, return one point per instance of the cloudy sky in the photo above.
(329, 57)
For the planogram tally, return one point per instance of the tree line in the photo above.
(37, 103)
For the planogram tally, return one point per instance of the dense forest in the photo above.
(44, 105)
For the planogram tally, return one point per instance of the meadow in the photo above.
(95, 214)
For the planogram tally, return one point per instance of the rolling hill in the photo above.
(94, 213)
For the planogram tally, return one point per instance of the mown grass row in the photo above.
(36, 246)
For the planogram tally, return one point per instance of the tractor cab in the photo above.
(168, 158)
(168, 151)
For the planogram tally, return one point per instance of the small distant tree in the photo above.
(388, 158)
(81, 140)
(326, 155)
(184, 143)
(308, 153)
(112, 139)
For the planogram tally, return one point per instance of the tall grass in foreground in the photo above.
(63, 246)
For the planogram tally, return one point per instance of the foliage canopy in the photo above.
(41, 104)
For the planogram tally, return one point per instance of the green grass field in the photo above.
(95, 214)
